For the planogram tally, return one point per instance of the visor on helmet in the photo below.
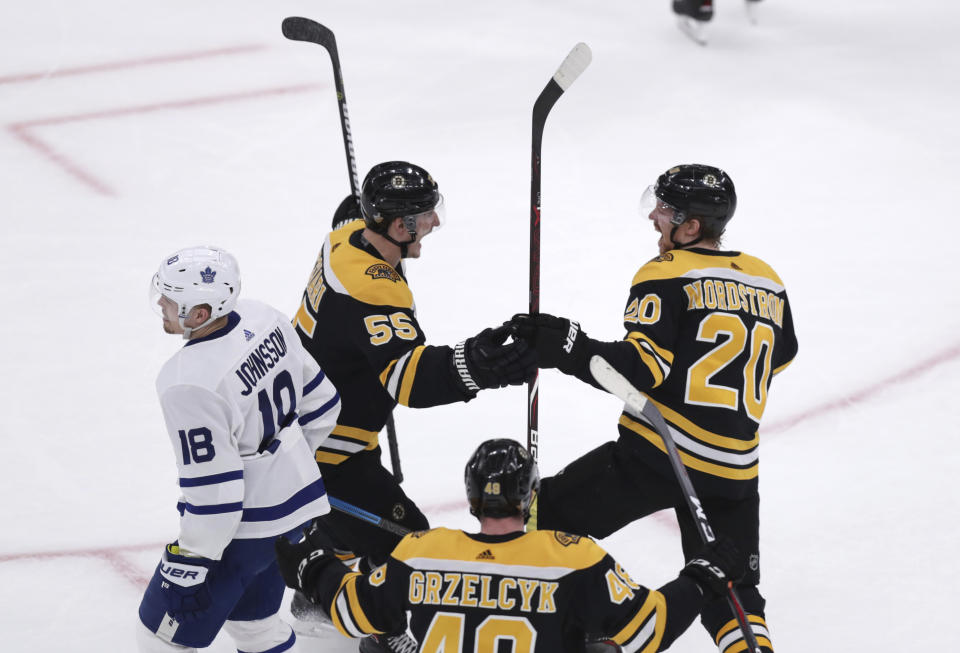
(427, 220)
(649, 203)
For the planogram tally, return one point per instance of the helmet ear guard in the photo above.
(501, 480)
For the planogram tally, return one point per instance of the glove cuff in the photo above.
(707, 575)
(462, 371)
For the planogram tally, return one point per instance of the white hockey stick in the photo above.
(616, 384)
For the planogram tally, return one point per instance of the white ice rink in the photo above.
(131, 129)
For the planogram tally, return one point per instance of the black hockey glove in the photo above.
(301, 564)
(715, 566)
(559, 342)
(488, 361)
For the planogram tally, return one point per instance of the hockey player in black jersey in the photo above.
(357, 318)
(706, 330)
(543, 591)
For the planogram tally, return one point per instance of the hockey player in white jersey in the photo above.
(245, 407)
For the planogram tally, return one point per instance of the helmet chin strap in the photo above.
(188, 331)
(673, 230)
(405, 244)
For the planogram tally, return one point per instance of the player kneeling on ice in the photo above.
(547, 591)
(245, 407)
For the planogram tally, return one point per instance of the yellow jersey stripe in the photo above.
(356, 611)
(636, 628)
(703, 435)
(356, 433)
(329, 458)
(650, 362)
(665, 354)
(542, 554)
(406, 385)
(385, 374)
(332, 608)
(688, 460)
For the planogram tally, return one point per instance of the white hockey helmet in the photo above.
(199, 275)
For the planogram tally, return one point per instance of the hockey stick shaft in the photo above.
(369, 517)
(394, 449)
(616, 384)
(297, 28)
(574, 64)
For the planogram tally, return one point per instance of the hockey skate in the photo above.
(693, 28)
(692, 18)
(396, 643)
(309, 618)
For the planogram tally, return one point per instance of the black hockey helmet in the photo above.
(502, 479)
(698, 191)
(348, 211)
(396, 189)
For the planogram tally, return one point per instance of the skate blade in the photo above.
(694, 29)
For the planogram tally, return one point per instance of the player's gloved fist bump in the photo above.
(716, 565)
(487, 360)
(301, 563)
(185, 584)
(559, 342)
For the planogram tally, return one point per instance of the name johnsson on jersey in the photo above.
(261, 359)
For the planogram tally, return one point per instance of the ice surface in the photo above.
(133, 129)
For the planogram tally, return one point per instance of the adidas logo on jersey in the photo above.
(486, 555)
(248, 335)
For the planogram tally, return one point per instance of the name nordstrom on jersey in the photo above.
(732, 296)
(262, 359)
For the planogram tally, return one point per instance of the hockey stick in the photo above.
(575, 63)
(616, 384)
(297, 28)
(363, 515)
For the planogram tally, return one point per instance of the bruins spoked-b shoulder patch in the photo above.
(663, 258)
(566, 539)
(382, 271)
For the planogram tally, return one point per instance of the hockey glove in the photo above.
(488, 361)
(559, 342)
(186, 583)
(718, 564)
(301, 564)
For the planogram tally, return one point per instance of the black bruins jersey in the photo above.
(706, 332)
(358, 320)
(545, 591)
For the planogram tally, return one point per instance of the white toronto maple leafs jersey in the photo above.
(245, 408)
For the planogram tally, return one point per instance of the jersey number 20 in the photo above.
(756, 372)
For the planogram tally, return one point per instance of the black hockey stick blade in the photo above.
(297, 28)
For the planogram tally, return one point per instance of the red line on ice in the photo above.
(122, 64)
(20, 130)
(910, 373)
(114, 555)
